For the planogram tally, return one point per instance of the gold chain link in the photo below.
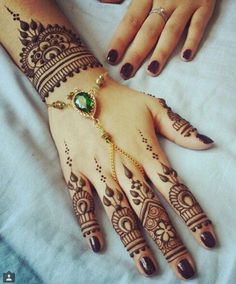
(104, 135)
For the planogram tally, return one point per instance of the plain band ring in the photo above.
(161, 12)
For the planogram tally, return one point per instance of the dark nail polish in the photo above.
(147, 265)
(185, 269)
(95, 244)
(204, 139)
(187, 54)
(208, 239)
(126, 71)
(112, 56)
(153, 67)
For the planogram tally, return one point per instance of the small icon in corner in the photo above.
(8, 277)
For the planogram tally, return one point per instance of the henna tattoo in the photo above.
(155, 219)
(99, 170)
(123, 219)
(148, 146)
(179, 123)
(83, 202)
(180, 197)
(51, 54)
(183, 200)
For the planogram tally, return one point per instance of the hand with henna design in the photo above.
(134, 130)
(56, 62)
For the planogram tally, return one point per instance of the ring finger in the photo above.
(168, 40)
(155, 220)
(123, 220)
(177, 194)
(144, 41)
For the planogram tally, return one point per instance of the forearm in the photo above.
(44, 45)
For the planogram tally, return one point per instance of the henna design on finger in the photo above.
(183, 200)
(124, 222)
(180, 196)
(82, 200)
(179, 123)
(123, 219)
(51, 54)
(155, 219)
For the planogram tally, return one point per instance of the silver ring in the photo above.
(161, 12)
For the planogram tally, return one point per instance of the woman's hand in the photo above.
(145, 28)
(131, 118)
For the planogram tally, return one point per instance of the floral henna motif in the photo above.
(51, 54)
(123, 219)
(179, 124)
(183, 200)
(180, 196)
(155, 219)
(83, 202)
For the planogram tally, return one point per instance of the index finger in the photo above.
(128, 28)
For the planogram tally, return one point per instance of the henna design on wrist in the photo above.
(179, 123)
(82, 200)
(51, 54)
(180, 196)
(155, 219)
(123, 219)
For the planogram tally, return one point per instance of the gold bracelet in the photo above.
(85, 103)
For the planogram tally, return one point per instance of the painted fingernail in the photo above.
(147, 265)
(95, 244)
(208, 239)
(205, 139)
(153, 67)
(112, 56)
(126, 71)
(187, 54)
(185, 269)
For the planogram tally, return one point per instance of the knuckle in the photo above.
(132, 21)
(197, 25)
(151, 31)
(174, 30)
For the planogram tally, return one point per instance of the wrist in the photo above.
(84, 80)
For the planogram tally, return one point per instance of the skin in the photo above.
(76, 137)
(140, 34)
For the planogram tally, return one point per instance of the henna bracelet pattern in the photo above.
(51, 54)
(85, 103)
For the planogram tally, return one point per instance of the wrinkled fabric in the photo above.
(40, 238)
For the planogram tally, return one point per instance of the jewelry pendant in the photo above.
(84, 102)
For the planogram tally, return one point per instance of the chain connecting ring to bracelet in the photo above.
(85, 103)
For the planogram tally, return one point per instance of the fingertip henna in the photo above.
(155, 219)
(83, 204)
(204, 139)
(123, 219)
(181, 198)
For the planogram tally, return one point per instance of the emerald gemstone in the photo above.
(84, 102)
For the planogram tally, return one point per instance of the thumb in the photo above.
(175, 128)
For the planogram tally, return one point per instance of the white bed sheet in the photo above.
(36, 216)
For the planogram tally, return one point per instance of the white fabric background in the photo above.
(36, 217)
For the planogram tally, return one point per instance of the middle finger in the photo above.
(144, 41)
(155, 220)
